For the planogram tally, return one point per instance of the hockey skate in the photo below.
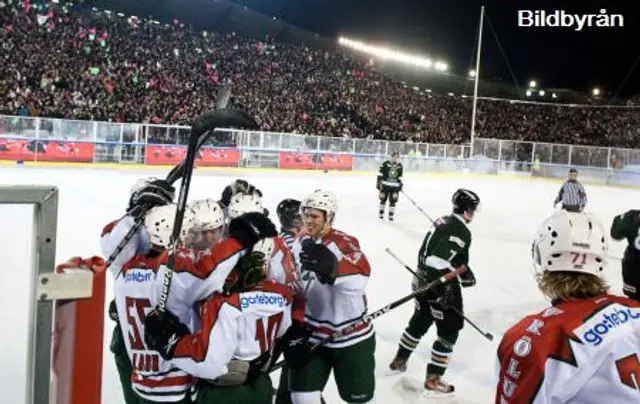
(435, 387)
(398, 365)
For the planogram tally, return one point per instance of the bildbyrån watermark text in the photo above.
(564, 19)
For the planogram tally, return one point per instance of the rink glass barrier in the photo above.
(58, 140)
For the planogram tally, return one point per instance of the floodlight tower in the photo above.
(475, 84)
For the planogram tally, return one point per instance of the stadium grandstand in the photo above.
(74, 60)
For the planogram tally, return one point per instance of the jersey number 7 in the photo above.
(629, 371)
(266, 337)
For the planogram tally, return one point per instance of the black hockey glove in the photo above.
(113, 311)
(154, 193)
(467, 278)
(296, 346)
(237, 187)
(162, 331)
(251, 227)
(446, 298)
(319, 259)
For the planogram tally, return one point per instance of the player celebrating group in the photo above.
(585, 348)
(389, 184)
(446, 246)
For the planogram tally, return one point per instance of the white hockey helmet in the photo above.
(244, 203)
(571, 242)
(321, 200)
(159, 224)
(208, 214)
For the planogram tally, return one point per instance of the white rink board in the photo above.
(512, 210)
(16, 277)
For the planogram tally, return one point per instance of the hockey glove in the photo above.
(319, 259)
(162, 331)
(237, 187)
(113, 311)
(467, 278)
(296, 346)
(154, 193)
(247, 274)
(250, 228)
(446, 298)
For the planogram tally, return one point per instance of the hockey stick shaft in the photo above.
(203, 126)
(174, 175)
(384, 310)
(487, 335)
(417, 206)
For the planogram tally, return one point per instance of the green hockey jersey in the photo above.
(445, 245)
(627, 226)
(390, 174)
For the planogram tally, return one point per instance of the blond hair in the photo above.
(571, 285)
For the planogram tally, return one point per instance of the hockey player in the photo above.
(584, 348)
(133, 294)
(627, 226)
(209, 227)
(145, 192)
(334, 272)
(389, 183)
(239, 328)
(445, 246)
(288, 212)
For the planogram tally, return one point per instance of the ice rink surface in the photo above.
(511, 211)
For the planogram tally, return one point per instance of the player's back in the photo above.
(134, 291)
(266, 315)
(583, 351)
(627, 226)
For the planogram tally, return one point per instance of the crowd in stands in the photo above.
(60, 62)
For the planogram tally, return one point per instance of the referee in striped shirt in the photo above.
(572, 194)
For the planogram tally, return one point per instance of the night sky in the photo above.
(446, 29)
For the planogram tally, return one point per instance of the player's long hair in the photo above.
(571, 285)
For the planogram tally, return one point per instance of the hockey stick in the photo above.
(372, 316)
(417, 206)
(177, 172)
(203, 126)
(487, 335)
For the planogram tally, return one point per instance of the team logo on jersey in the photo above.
(137, 276)
(263, 300)
(606, 321)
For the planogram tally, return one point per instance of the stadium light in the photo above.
(472, 73)
(595, 92)
(554, 95)
(533, 84)
(528, 93)
(541, 93)
(384, 53)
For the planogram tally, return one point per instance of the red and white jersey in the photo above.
(113, 233)
(583, 351)
(241, 326)
(153, 378)
(281, 268)
(330, 308)
(196, 276)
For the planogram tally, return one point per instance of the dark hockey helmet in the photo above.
(288, 211)
(464, 200)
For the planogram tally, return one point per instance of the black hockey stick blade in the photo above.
(203, 125)
(372, 316)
